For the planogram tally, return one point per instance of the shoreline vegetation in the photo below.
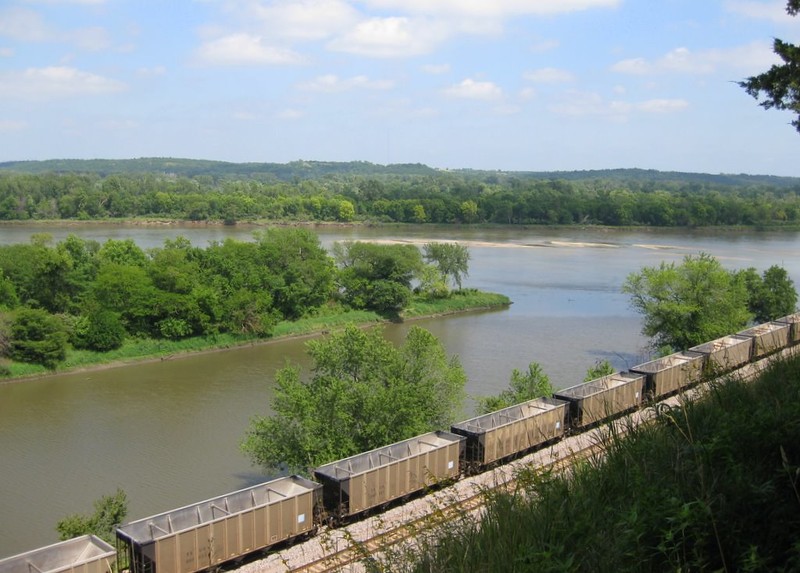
(139, 351)
(258, 224)
(352, 192)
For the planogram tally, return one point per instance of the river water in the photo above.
(168, 432)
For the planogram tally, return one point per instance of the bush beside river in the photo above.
(334, 317)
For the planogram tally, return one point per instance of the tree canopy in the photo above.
(699, 300)
(451, 259)
(120, 190)
(523, 386)
(376, 276)
(109, 512)
(362, 393)
(780, 84)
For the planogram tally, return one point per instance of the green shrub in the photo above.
(38, 337)
(101, 330)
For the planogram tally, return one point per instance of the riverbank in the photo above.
(257, 224)
(153, 350)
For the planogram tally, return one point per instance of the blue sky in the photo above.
(536, 85)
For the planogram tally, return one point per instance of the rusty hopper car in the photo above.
(377, 477)
(603, 398)
(85, 554)
(512, 430)
(671, 373)
(767, 338)
(205, 534)
(726, 353)
(793, 320)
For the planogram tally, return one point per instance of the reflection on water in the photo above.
(167, 432)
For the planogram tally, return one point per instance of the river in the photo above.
(167, 432)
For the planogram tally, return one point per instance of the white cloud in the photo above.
(305, 19)
(576, 103)
(507, 109)
(28, 26)
(383, 28)
(483, 17)
(245, 49)
(662, 105)
(471, 89)
(549, 76)
(86, 2)
(436, 69)
(678, 60)
(245, 116)
(55, 82)
(6, 52)
(24, 25)
(774, 11)
(290, 114)
(390, 38)
(155, 71)
(753, 56)
(543, 46)
(9, 125)
(92, 39)
(119, 124)
(491, 9)
(331, 83)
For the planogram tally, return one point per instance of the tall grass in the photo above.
(712, 485)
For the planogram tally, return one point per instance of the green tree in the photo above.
(8, 293)
(38, 337)
(109, 512)
(781, 83)
(469, 211)
(129, 291)
(122, 252)
(523, 386)
(302, 271)
(771, 295)
(40, 274)
(598, 370)
(688, 304)
(100, 329)
(432, 283)
(451, 259)
(376, 276)
(363, 393)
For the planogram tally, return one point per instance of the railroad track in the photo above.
(338, 548)
(356, 550)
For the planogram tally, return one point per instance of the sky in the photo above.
(513, 85)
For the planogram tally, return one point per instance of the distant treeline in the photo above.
(313, 191)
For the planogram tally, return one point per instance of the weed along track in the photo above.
(333, 549)
(375, 537)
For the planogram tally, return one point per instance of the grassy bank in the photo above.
(151, 349)
(713, 485)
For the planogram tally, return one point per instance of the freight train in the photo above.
(234, 525)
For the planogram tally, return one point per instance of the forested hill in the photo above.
(312, 191)
(215, 169)
(319, 169)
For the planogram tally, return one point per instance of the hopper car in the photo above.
(235, 525)
(84, 554)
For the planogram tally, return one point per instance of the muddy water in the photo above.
(167, 432)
